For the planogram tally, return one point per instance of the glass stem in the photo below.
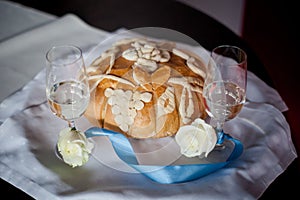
(71, 124)
(220, 133)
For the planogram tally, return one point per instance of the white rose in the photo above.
(74, 147)
(197, 139)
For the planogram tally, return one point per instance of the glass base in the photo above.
(57, 153)
(219, 147)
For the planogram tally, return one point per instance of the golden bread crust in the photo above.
(142, 98)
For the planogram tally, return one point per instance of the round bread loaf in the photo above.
(145, 88)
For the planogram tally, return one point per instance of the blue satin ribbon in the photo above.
(163, 174)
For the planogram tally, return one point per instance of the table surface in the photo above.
(109, 15)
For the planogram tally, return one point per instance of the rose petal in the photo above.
(197, 139)
(74, 147)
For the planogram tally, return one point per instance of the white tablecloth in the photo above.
(28, 134)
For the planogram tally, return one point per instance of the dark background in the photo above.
(269, 36)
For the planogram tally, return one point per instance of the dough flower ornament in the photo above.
(197, 139)
(74, 147)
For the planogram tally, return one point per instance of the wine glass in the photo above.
(67, 86)
(224, 89)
